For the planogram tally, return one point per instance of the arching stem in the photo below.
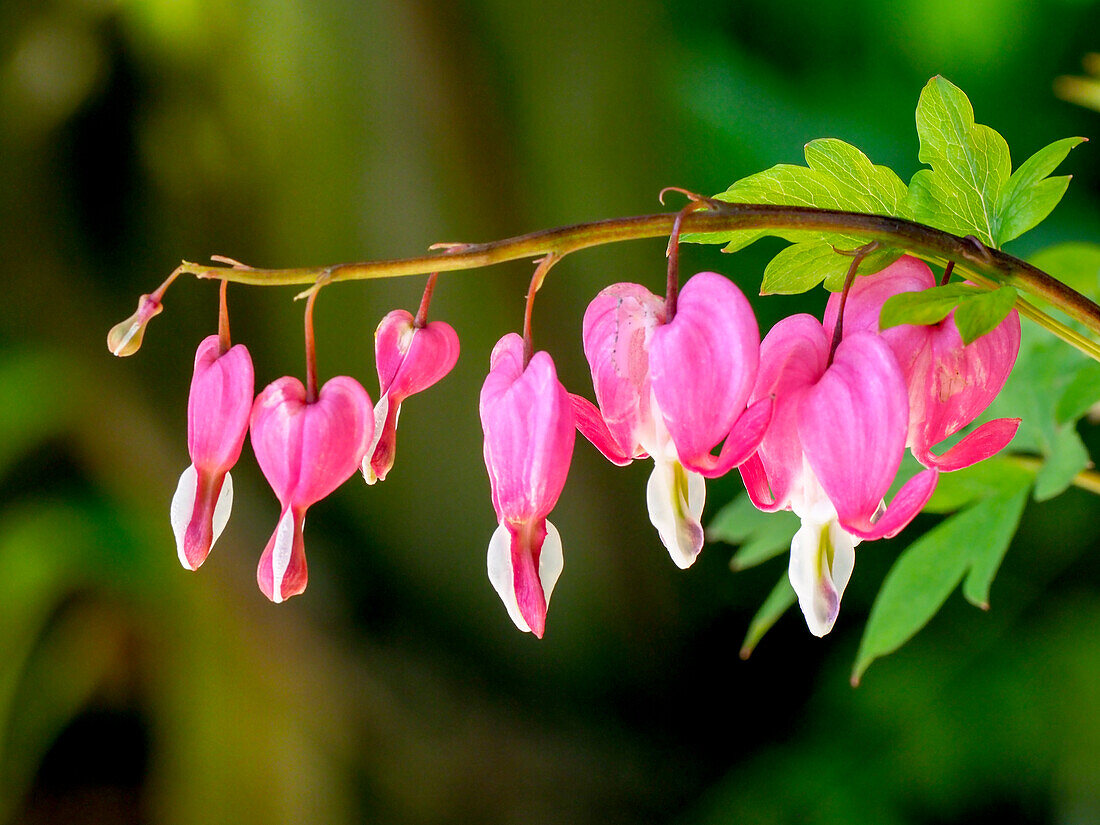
(857, 258)
(543, 267)
(421, 319)
(311, 351)
(224, 342)
(984, 266)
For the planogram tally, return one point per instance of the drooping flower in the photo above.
(831, 453)
(529, 432)
(949, 384)
(409, 359)
(673, 390)
(218, 408)
(306, 449)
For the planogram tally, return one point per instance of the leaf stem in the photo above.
(986, 266)
(1088, 480)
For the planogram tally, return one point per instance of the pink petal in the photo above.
(618, 326)
(950, 384)
(409, 359)
(979, 444)
(219, 405)
(793, 356)
(757, 486)
(528, 422)
(909, 501)
(703, 364)
(870, 292)
(308, 450)
(743, 441)
(277, 420)
(592, 426)
(853, 423)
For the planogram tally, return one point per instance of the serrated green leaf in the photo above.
(1030, 195)
(837, 176)
(981, 313)
(1065, 459)
(992, 477)
(978, 310)
(928, 571)
(970, 165)
(779, 601)
(929, 306)
(761, 536)
(800, 267)
(1075, 264)
(1082, 392)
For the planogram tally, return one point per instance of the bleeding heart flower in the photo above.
(217, 421)
(949, 383)
(673, 390)
(831, 453)
(305, 450)
(409, 359)
(529, 432)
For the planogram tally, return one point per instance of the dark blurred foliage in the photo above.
(138, 132)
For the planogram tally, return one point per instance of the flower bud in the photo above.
(125, 337)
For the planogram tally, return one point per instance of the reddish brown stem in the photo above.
(421, 319)
(224, 342)
(311, 352)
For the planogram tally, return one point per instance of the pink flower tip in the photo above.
(528, 421)
(218, 410)
(409, 359)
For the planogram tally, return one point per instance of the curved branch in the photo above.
(988, 266)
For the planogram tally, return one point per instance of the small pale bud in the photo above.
(125, 337)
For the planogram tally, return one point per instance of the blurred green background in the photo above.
(134, 133)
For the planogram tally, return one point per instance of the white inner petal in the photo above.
(381, 410)
(500, 573)
(822, 559)
(551, 561)
(675, 498)
(280, 554)
(222, 508)
(183, 505)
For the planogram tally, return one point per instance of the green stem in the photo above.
(1088, 480)
(986, 266)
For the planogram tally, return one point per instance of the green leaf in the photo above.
(979, 310)
(1030, 194)
(929, 306)
(837, 176)
(918, 584)
(994, 476)
(970, 165)
(802, 266)
(761, 536)
(778, 602)
(981, 313)
(989, 551)
(1082, 392)
(1066, 457)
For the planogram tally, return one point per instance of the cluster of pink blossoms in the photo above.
(817, 423)
(812, 430)
(306, 442)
